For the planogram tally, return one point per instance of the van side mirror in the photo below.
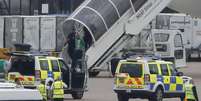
(180, 74)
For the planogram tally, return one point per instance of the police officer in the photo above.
(189, 93)
(42, 89)
(58, 90)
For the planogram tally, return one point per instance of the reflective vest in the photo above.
(58, 91)
(42, 90)
(189, 95)
(79, 44)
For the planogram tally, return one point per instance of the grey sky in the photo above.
(192, 7)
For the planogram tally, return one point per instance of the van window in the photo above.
(153, 69)
(164, 69)
(178, 40)
(161, 37)
(134, 70)
(55, 66)
(44, 65)
(172, 70)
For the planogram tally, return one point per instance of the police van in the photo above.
(31, 67)
(148, 79)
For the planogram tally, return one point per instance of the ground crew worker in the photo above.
(189, 94)
(42, 89)
(48, 83)
(87, 38)
(58, 90)
(71, 43)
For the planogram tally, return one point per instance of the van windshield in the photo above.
(161, 37)
(44, 64)
(134, 70)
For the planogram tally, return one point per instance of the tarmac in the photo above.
(101, 88)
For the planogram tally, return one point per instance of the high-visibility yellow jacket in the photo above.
(58, 90)
(189, 95)
(42, 90)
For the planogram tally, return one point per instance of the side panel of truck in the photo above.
(196, 36)
(183, 23)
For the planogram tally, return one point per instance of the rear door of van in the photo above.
(130, 75)
(55, 68)
(44, 68)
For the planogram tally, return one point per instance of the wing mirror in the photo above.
(180, 74)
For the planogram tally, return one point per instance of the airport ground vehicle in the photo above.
(170, 45)
(112, 27)
(31, 68)
(148, 79)
(184, 24)
(167, 44)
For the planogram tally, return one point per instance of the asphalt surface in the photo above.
(101, 88)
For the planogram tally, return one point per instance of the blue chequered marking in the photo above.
(167, 87)
(151, 86)
(159, 78)
(173, 79)
(179, 87)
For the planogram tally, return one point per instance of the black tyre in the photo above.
(157, 96)
(122, 97)
(61, 99)
(77, 95)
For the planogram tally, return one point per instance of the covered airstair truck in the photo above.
(111, 24)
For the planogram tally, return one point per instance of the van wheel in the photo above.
(122, 97)
(77, 95)
(157, 96)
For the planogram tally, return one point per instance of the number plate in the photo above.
(128, 91)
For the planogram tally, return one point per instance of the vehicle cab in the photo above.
(170, 45)
(147, 79)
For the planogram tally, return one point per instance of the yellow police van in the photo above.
(30, 68)
(148, 79)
